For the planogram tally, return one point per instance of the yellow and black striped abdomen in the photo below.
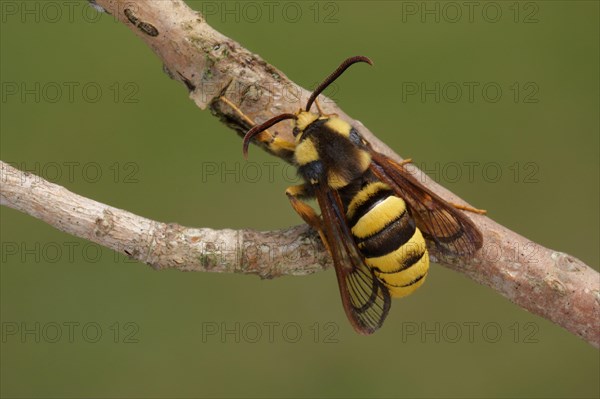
(388, 238)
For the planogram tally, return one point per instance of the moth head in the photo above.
(303, 117)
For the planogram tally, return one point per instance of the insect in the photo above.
(375, 216)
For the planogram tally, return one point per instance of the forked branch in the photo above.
(213, 67)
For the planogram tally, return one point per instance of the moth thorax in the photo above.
(304, 119)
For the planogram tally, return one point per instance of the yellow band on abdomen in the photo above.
(380, 216)
(393, 261)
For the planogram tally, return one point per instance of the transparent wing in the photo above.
(450, 230)
(366, 300)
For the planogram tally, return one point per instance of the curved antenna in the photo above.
(336, 74)
(263, 126)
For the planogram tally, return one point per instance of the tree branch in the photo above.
(549, 283)
(294, 251)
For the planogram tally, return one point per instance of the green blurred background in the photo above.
(153, 148)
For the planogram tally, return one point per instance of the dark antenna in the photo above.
(329, 80)
(336, 74)
(263, 126)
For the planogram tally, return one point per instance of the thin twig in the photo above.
(549, 283)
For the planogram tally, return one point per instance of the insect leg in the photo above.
(269, 139)
(468, 208)
(303, 191)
